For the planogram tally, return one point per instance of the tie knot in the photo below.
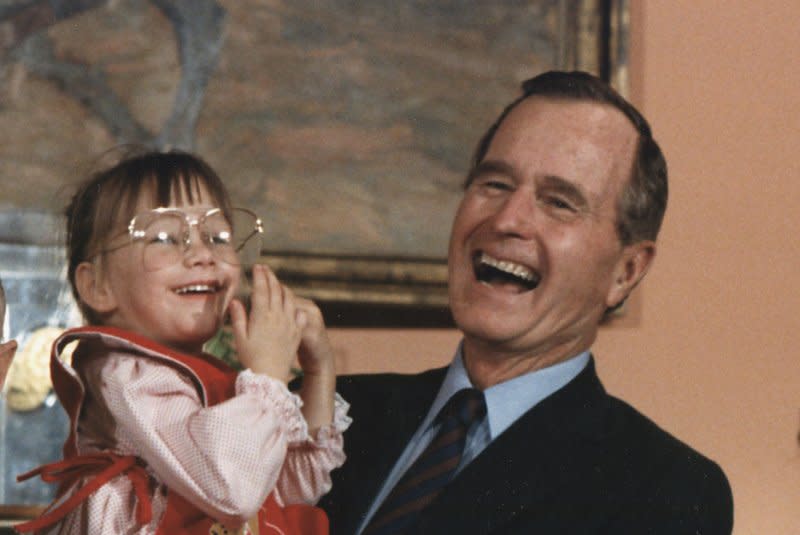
(466, 406)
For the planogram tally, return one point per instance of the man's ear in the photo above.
(92, 288)
(631, 268)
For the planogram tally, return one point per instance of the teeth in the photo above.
(195, 288)
(509, 267)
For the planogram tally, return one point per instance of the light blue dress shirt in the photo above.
(505, 403)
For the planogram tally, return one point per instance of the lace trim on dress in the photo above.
(277, 395)
(341, 421)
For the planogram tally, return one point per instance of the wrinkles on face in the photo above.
(543, 202)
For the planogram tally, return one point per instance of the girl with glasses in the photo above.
(165, 439)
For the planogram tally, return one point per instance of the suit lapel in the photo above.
(386, 411)
(547, 444)
(405, 409)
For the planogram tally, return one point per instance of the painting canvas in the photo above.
(348, 126)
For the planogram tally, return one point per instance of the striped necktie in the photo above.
(433, 469)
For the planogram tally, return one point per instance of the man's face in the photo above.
(534, 256)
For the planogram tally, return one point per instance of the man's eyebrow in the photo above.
(487, 167)
(565, 187)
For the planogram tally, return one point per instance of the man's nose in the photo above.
(516, 214)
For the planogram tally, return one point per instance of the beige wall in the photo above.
(713, 355)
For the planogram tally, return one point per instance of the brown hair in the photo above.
(642, 203)
(109, 199)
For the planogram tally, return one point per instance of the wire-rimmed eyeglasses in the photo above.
(165, 234)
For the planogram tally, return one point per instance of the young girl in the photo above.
(165, 439)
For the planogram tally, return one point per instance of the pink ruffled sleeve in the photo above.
(226, 458)
(305, 475)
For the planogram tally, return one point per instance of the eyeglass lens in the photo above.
(166, 237)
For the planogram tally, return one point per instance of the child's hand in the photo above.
(319, 375)
(315, 354)
(267, 340)
(7, 351)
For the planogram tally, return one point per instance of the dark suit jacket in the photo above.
(580, 462)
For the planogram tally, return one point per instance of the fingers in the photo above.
(267, 338)
(310, 309)
(268, 292)
(274, 288)
(260, 294)
(289, 303)
(315, 352)
(270, 296)
(301, 319)
(305, 304)
(238, 318)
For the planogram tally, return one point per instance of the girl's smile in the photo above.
(181, 304)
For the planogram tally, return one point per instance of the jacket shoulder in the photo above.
(377, 386)
(681, 485)
(651, 439)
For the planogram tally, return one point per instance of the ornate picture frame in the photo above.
(347, 127)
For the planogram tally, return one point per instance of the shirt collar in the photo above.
(507, 401)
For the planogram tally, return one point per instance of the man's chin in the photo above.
(489, 329)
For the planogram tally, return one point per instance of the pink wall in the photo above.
(713, 353)
(715, 357)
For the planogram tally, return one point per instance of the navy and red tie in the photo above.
(433, 469)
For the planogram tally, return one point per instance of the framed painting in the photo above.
(347, 126)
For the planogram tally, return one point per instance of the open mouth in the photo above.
(493, 271)
(198, 289)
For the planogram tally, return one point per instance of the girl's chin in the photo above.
(188, 347)
(193, 343)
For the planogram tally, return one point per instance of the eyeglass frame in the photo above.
(258, 227)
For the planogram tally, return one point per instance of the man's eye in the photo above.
(559, 203)
(494, 184)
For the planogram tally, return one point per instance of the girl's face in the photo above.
(181, 305)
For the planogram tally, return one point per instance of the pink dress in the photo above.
(221, 445)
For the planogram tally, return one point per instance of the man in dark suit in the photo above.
(557, 225)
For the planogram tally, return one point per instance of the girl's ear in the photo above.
(631, 269)
(92, 288)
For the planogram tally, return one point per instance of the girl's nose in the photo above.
(198, 250)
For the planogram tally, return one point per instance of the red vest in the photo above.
(215, 382)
